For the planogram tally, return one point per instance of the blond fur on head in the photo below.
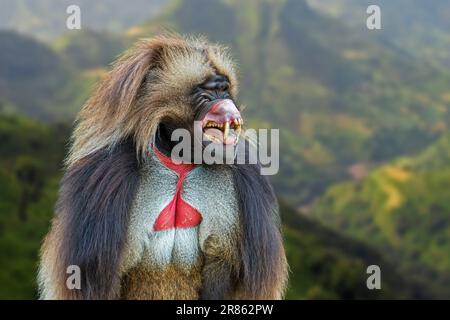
(151, 82)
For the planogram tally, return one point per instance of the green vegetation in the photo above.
(47, 19)
(326, 265)
(31, 75)
(31, 155)
(418, 28)
(87, 49)
(403, 208)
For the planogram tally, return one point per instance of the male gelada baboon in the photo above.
(137, 224)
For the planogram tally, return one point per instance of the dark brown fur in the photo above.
(262, 267)
(91, 223)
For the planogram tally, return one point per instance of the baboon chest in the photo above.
(176, 208)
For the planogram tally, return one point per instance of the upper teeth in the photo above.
(214, 125)
(234, 124)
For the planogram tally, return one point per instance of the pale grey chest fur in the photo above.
(208, 189)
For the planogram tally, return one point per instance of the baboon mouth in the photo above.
(223, 123)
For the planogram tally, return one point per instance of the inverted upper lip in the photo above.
(223, 116)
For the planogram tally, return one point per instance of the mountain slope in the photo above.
(30, 163)
(418, 28)
(47, 19)
(31, 74)
(402, 208)
(52, 83)
(86, 48)
(326, 265)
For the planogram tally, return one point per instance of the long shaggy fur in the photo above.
(91, 223)
(263, 268)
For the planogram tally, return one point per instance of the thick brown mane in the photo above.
(150, 82)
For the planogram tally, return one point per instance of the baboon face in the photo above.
(207, 103)
(214, 114)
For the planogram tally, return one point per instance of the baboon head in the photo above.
(160, 85)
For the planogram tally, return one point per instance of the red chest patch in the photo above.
(178, 213)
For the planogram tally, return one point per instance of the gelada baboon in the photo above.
(137, 224)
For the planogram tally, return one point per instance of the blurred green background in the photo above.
(363, 116)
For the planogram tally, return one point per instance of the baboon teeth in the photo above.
(235, 124)
(238, 130)
(226, 130)
(214, 125)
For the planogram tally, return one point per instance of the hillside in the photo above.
(327, 265)
(401, 208)
(30, 162)
(87, 48)
(31, 75)
(47, 19)
(52, 83)
(418, 28)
